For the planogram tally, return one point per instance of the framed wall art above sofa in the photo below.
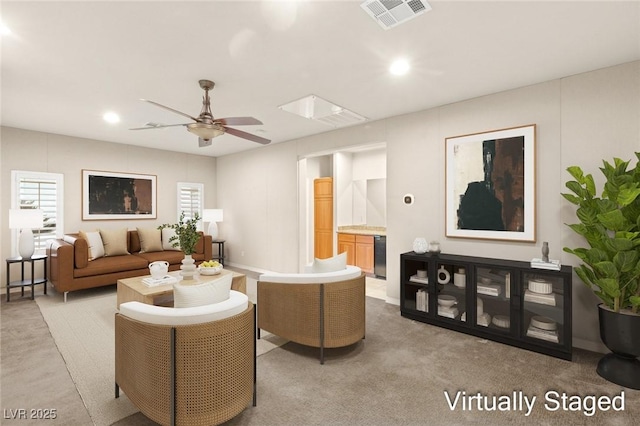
(114, 195)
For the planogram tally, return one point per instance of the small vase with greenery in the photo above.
(611, 225)
(187, 234)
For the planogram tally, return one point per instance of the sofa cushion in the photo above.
(115, 241)
(234, 305)
(332, 264)
(349, 273)
(167, 233)
(173, 257)
(150, 239)
(112, 264)
(188, 296)
(94, 243)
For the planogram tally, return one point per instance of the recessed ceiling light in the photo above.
(399, 67)
(111, 117)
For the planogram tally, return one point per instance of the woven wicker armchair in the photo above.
(325, 314)
(198, 374)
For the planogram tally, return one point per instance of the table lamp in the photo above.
(213, 216)
(26, 220)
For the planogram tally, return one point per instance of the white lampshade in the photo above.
(26, 220)
(213, 216)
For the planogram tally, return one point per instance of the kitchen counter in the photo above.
(362, 230)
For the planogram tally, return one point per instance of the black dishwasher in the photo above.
(380, 256)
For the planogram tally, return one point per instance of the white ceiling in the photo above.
(66, 63)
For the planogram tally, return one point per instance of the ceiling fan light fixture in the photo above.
(205, 130)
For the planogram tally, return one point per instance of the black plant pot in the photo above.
(620, 332)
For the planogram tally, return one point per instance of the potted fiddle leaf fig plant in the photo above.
(610, 224)
(186, 237)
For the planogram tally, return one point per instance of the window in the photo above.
(190, 200)
(44, 191)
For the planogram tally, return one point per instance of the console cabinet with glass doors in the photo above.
(502, 300)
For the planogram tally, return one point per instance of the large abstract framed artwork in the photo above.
(490, 185)
(110, 195)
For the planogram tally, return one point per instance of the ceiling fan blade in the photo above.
(171, 109)
(159, 127)
(245, 135)
(238, 121)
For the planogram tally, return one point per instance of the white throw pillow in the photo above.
(150, 240)
(167, 233)
(94, 241)
(332, 264)
(188, 296)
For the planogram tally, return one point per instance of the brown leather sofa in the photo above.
(69, 268)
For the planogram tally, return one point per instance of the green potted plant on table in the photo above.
(610, 224)
(186, 237)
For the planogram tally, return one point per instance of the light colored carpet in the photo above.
(83, 330)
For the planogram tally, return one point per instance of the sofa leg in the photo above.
(117, 391)
(65, 296)
(258, 333)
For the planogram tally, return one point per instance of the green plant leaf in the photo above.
(635, 301)
(606, 270)
(596, 255)
(587, 216)
(576, 188)
(618, 244)
(628, 195)
(590, 185)
(572, 198)
(626, 261)
(576, 172)
(614, 220)
(609, 286)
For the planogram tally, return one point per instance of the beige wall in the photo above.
(44, 152)
(580, 120)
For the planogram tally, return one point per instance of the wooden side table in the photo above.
(220, 256)
(33, 281)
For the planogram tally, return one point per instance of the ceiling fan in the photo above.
(205, 126)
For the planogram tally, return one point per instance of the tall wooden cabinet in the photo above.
(323, 217)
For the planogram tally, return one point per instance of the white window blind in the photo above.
(190, 200)
(38, 190)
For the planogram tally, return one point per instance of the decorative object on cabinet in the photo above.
(434, 247)
(114, 195)
(459, 278)
(610, 266)
(493, 302)
(443, 275)
(545, 251)
(26, 220)
(420, 245)
(481, 201)
(544, 262)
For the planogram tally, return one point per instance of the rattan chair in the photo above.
(200, 374)
(321, 315)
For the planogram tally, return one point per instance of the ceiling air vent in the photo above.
(323, 111)
(389, 13)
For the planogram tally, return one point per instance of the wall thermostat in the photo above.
(408, 199)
